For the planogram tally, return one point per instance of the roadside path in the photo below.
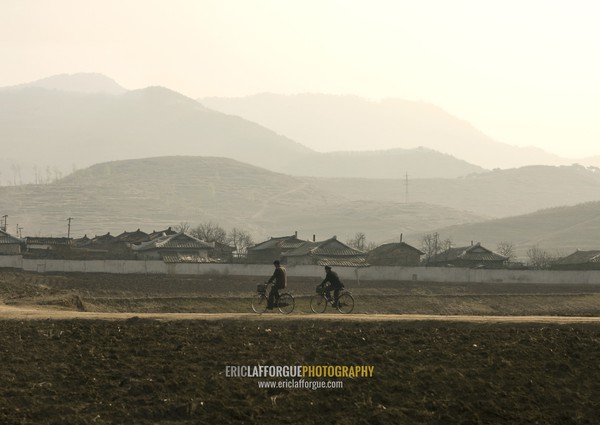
(31, 313)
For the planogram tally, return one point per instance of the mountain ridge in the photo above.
(82, 82)
(314, 119)
(164, 191)
(52, 132)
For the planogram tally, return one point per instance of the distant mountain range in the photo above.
(498, 193)
(55, 125)
(323, 121)
(52, 128)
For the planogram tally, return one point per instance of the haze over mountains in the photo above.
(316, 120)
(63, 129)
(64, 122)
(153, 158)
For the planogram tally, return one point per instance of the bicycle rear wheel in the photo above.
(286, 303)
(345, 303)
(259, 303)
(318, 303)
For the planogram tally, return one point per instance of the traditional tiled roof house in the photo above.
(579, 260)
(133, 237)
(273, 249)
(48, 246)
(330, 252)
(179, 247)
(9, 244)
(156, 233)
(468, 256)
(395, 254)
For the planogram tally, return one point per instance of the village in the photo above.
(178, 246)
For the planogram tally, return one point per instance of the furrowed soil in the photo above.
(137, 370)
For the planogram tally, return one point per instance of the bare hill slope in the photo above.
(157, 192)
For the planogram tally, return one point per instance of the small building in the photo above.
(48, 246)
(273, 249)
(395, 254)
(579, 260)
(469, 256)
(102, 240)
(330, 252)
(133, 237)
(9, 244)
(179, 245)
(156, 233)
(110, 246)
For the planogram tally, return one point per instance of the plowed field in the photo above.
(131, 369)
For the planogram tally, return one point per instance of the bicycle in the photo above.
(285, 303)
(319, 301)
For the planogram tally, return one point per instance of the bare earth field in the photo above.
(114, 349)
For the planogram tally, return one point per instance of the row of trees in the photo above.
(208, 231)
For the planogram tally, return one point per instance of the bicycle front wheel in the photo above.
(286, 303)
(345, 303)
(318, 303)
(259, 303)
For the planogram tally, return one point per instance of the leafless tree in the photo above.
(539, 258)
(506, 249)
(432, 245)
(210, 232)
(359, 241)
(183, 227)
(240, 240)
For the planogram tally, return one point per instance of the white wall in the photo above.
(422, 274)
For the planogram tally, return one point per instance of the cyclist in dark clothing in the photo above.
(335, 284)
(280, 279)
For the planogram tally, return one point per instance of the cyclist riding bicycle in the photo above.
(334, 284)
(280, 279)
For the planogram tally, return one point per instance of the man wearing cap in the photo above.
(335, 284)
(280, 279)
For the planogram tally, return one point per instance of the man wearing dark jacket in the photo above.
(335, 284)
(280, 279)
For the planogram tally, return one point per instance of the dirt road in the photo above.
(17, 313)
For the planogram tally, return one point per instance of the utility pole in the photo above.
(69, 228)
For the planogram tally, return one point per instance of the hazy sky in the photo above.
(524, 72)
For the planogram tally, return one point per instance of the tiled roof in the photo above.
(328, 248)
(155, 234)
(469, 253)
(104, 238)
(343, 262)
(282, 242)
(6, 238)
(47, 241)
(180, 258)
(133, 237)
(176, 241)
(580, 257)
(395, 246)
